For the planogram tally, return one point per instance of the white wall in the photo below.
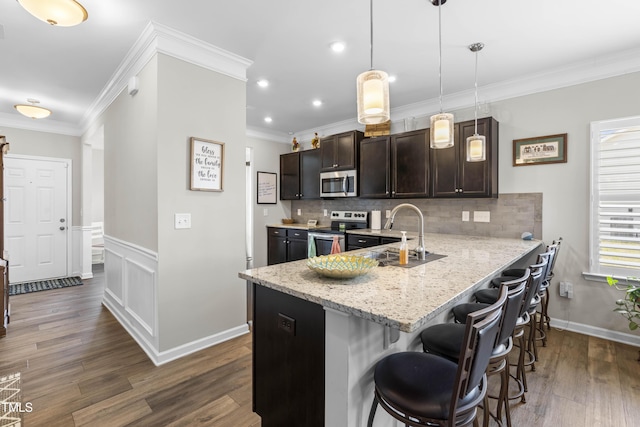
(266, 158)
(565, 186)
(97, 185)
(200, 294)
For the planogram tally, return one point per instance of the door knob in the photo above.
(62, 228)
(62, 219)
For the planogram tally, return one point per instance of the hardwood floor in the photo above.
(80, 368)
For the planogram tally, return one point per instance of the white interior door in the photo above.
(36, 218)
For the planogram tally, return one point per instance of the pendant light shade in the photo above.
(476, 144)
(32, 110)
(63, 13)
(373, 90)
(373, 97)
(441, 133)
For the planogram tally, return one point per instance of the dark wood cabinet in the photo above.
(285, 244)
(453, 176)
(340, 152)
(361, 241)
(375, 160)
(300, 175)
(288, 360)
(395, 166)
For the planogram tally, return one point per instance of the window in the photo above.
(615, 197)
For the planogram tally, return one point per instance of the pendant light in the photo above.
(373, 90)
(476, 144)
(441, 133)
(31, 110)
(62, 13)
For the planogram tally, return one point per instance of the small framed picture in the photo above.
(207, 161)
(540, 150)
(267, 188)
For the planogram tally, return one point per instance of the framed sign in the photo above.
(267, 188)
(540, 150)
(207, 161)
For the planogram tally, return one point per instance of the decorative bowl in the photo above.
(341, 266)
(287, 220)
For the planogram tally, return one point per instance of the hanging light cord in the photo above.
(371, 30)
(476, 88)
(440, 50)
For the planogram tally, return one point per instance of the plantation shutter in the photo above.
(616, 200)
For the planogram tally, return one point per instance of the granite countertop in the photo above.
(295, 226)
(403, 298)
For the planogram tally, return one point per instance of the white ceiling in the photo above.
(528, 44)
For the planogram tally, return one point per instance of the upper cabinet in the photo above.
(340, 152)
(453, 177)
(300, 175)
(395, 166)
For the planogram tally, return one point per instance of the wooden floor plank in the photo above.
(79, 367)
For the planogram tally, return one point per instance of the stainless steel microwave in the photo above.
(339, 183)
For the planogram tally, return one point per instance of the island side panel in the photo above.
(288, 360)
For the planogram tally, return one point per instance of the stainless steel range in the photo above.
(341, 221)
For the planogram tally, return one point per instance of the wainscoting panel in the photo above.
(131, 291)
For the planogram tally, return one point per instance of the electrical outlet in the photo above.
(569, 290)
(265, 212)
(388, 214)
(182, 220)
(325, 212)
(299, 212)
(287, 324)
(563, 289)
(465, 216)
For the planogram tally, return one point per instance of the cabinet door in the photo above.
(476, 179)
(346, 150)
(328, 153)
(297, 245)
(276, 248)
(290, 176)
(374, 177)
(310, 174)
(387, 240)
(444, 169)
(288, 360)
(410, 160)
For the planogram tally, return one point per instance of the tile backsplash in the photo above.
(509, 215)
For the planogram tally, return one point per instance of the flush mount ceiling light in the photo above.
(373, 90)
(268, 119)
(317, 103)
(62, 13)
(263, 83)
(476, 144)
(32, 110)
(441, 132)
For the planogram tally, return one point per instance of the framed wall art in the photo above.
(267, 188)
(207, 161)
(540, 150)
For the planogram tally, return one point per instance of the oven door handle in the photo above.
(325, 236)
(345, 185)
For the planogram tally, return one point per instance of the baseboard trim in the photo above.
(594, 331)
(160, 358)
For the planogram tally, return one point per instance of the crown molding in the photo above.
(158, 38)
(38, 125)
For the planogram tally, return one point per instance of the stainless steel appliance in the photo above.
(339, 183)
(341, 221)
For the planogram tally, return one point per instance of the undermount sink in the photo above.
(391, 256)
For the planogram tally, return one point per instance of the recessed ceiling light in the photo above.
(337, 47)
(268, 119)
(317, 103)
(392, 79)
(263, 83)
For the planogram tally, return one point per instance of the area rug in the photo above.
(43, 285)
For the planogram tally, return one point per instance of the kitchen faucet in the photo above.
(422, 255)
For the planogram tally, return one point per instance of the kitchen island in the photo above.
(365, 318)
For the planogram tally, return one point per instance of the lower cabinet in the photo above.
(360, 241)
(288, 360)
(285, 244)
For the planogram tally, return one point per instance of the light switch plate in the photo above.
(481, 216)
(182, 220)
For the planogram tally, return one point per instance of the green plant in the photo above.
(629, 306)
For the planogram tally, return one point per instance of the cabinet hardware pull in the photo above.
(362, 241)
